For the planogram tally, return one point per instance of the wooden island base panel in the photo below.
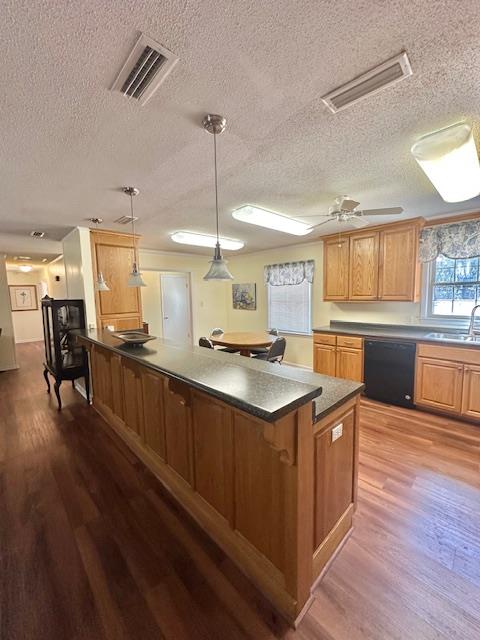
(277, 496)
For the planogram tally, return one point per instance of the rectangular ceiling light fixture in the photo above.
(385, 75)
(203, 240)
(449, 158)
(147, 66)
(271, 220)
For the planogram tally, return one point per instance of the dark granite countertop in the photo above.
(265, 390)
(402, 332)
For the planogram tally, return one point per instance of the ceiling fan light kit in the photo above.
(216, 125)
(450, 160)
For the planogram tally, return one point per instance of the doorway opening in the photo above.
(166, 305)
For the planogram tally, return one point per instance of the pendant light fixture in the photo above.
(218, 266)
(135, 279)
(100, 284)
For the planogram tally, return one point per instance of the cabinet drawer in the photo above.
(350, 341)
(457, 354)
(325, 338)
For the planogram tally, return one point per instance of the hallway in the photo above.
(91, 548)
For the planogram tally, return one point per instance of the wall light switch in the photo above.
(337, 432)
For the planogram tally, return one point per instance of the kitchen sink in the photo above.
(462, 337)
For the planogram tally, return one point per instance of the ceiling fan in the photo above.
(344, 209)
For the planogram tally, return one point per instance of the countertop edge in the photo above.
(231, 400)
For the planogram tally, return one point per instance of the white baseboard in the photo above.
(80, 388)
(12, 368)
(23, 340)
(299, 366)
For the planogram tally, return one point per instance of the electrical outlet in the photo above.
(337, 432)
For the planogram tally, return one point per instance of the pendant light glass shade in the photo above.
(218, 266)
(135, 278)
(100, 284)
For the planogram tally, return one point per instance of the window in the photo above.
(454, 286)
(289, 307)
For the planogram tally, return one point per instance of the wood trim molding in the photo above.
(462, 217)
(419, 222)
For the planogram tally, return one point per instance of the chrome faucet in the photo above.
(471, 329)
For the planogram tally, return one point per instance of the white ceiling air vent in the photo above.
(369, 83)
(126, 219)
(145, 69)
(37, 234)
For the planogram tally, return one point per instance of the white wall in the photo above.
(77, 256)
(27, 325)
(7, 340)
(56, 289)
(209, 299)
(249, 268)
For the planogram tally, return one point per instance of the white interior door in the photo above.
(176, 311)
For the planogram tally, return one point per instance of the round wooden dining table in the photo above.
(244, 341)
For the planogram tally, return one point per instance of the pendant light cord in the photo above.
(133, 231)
(216, 179)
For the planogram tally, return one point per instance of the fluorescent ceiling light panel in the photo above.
(203, 240)
(271, 220)
(450, 160)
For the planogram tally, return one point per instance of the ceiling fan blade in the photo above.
(348, 204)
(317, 215)
(358, 221)
(390, 211)
(314, 226)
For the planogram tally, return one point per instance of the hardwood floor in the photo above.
(92, 548)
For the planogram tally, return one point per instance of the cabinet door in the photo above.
(471, 392)
(178, 428)
(398, 263)
(438, 384)
(133, 398)
(350, 363)
(153, 386)
(102, 379)
(116, 263)
(324, 359)
(335, 269)
(334, 475)
(363, 279)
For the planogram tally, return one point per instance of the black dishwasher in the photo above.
(390, 371)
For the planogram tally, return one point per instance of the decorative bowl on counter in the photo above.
(133, 337)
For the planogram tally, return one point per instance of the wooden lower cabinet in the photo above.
(349, 363)
(278, 498)
(471, 392)
(325, 359)
(338, 356)
(447, 379)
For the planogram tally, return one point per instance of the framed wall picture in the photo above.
(245, 296)
(23, 297)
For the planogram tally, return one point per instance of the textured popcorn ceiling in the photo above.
(67, 143)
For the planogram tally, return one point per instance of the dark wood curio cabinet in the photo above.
(63, 321)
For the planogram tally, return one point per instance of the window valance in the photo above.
(456, 240)
(289, 272)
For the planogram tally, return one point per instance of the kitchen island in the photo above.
(264, 457)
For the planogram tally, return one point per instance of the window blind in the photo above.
(289, 307)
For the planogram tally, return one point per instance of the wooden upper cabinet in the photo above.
(335, 269)
(113, 255)
(399, 267)
(379, 263)
(364, 260)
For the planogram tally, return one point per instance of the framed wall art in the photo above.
(23, 297)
